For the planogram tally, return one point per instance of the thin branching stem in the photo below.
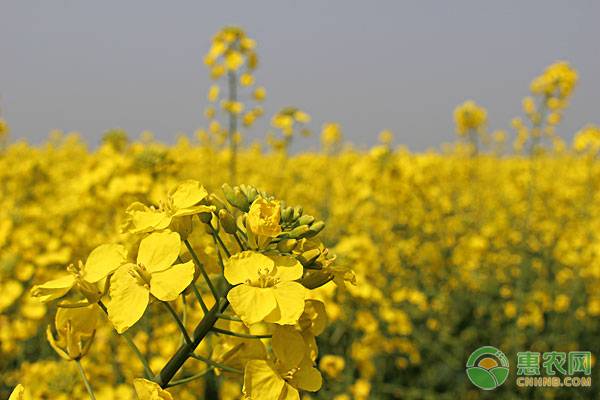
(216, 364)
(85, 380)
(202, 270)
(173, 313)
(191, 378)
(240, 335)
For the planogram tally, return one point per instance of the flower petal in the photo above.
(244, 266)
(193, 210)
(252, 304)
(288, 346)
(166, 285)
(53, 289)
(187, 194)
(18, 393)
(307, 377)
(261, 381)
(147, 390)
(148, 220)
(103, 261)
(159, 250)
(287, 268)
(128, 299)
(290, 303)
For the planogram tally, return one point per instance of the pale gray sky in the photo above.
(91, 65)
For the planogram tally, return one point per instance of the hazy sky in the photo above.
(403, 65)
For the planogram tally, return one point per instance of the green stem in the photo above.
(219, 257)
(240, 335)
(239, 242)
(190, 378)
(202, 270)
(216, 364)
(178, 321)
(218, 237)
(229, 317)
(85, 380)
(199, 298)
(187, 349)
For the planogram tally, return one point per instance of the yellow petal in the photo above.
(252, 304)
(18, 393)
(147, 390)
(166, 285)
(53, 289)
(307, 377)
(187, 194)
(103, 261)
(52, 341)
(193, 210)
(290, 303)
(261, 381)
(245, 266)
(81, 320)
(149, 220)
(290, 393)
(159, 250)
(288, 346)
(128, 299)
(287, 268)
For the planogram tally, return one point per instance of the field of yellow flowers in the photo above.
(209, 269)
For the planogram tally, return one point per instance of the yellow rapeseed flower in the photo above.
(265, 289)
(153, 274)
(101, 262)
(291, 370)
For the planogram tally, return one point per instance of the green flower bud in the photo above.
(297, 213)
(286, 214)
(205, 217)
(298, 231)
(227, 221)
(309, 257)
(286, 245)
(214, 200)
(236, 197)
(315, 228)
(306, 220)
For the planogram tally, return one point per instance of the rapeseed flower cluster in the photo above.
(132, 272)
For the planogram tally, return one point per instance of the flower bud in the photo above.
(205, 217)
(227, 221)
(298, 231)
(297, 213)
(309, 257)
(315, 228)
(75, 328)
(235, 197)
(306, 220)
(286, 214)
(183, 225)
(214, 200)
(286, 245)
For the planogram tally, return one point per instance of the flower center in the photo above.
(141, 274)
(266, 278)
(167, 206)
(76, 270)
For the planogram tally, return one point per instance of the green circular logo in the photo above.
(487, 368)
